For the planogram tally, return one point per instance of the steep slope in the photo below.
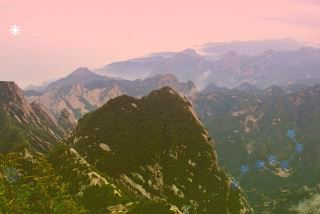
(23, 124)
(66, 120)
(84, 95)
(63, 182)
(96, 191)
(268, 139)
(29, 184)
(156, 148)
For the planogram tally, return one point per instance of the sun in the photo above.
(15, 30)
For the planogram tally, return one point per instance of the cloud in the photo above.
(298, 20)
(311, 205)
(311, 2)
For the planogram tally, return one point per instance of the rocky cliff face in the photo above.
(76, 99)
(23, 123)
(66, 121)
(157, 149)
(79, 96)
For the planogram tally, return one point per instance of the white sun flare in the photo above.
(15, 30)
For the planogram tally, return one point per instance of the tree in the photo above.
(29, 185)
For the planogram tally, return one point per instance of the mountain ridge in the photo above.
(232, 69)
(80, 97)
(27, 124)
(159, 172)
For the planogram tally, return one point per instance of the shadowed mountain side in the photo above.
(157, 148)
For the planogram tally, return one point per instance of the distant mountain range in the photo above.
(83, 91)
(132, 69)
(261, 63)
(217, 49)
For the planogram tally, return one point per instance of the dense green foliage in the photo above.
(252, 125)
(156, 147)
(11, 137)
(29, 185)
(155, 207)
(96, 191)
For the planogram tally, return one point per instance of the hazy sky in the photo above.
(60, 35)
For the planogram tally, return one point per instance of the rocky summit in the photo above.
(156, 149)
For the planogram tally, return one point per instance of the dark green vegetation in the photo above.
(131, 156)
(155, 148)
(250, 125)
(95, 192)
(29, 185)
(36, 184)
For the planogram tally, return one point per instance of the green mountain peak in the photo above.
(156, 148)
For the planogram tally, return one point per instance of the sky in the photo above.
(59, 36)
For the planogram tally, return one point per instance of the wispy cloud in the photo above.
(304, 13)
(307, 22)
(312, 2)
(298, 20)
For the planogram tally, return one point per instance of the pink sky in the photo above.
(61, 35)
